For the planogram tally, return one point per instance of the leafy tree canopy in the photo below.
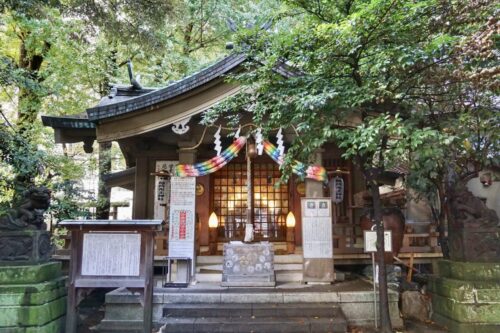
(388, 81)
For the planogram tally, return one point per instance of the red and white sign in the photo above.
(182, 217)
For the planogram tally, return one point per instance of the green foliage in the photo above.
(59, 58)
(67, 203)
(20, 162)
(383, 79)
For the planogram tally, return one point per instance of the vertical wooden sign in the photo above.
(317, 240)
(181, 236)
(162, 189)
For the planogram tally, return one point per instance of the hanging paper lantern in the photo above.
(337, 189)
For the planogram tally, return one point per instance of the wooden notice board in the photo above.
(317, 240)
(110, 254)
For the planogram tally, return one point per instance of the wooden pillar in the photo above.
(139, 210)
(314, 189)
(317, 270)
(187, 156)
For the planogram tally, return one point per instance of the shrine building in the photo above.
(160, 135)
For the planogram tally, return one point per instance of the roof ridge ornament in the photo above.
(133, 81)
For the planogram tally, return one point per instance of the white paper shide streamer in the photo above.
(279, 141)
(218, 147)
(258, 141)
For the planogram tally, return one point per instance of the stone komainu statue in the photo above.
(473, 228)
(23, 234)
(29, 214)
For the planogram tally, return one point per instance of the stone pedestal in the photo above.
(24, 247)
(248, 265)
(32, 298)
(466, 296)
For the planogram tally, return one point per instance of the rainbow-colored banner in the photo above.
(315, 172)
(213, 164)
(204, 168)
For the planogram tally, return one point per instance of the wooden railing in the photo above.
(419, 237)
(347, 239)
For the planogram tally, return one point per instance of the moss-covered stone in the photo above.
(466, 312)
(54, 326)
(469, 271)
(466, 296)
(12, 275)
(458, 327)
(32, 294)
(36, 315)
(466, 291)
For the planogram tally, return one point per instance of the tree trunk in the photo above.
(442, 226)
(104, 193)
(29, 103)
(385, 319)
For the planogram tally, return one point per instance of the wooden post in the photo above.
(72, 309)
(290, 240)
(249, 190)
(410, 270)
(148, 288)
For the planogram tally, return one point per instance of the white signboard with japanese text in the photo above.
(162, 189)
(317, 239)
(371, 241)
(111, 254)
(181, 236)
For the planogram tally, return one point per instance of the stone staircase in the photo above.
(311, 308)
(288, 268)
(254, 317)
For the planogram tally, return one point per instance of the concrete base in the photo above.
(32, 298)
(355, 299)
(466, 296)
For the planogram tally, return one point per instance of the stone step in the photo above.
(208, 277)
(261, 325)
(123, 326)
(278, 259)
(354, 297)
(277, 267)
(248, 310)
(281, 276)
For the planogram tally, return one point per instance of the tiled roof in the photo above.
(149, 99)
(76, 121)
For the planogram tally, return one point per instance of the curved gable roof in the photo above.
(218, 69)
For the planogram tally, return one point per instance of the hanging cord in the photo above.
(199, 142)
(232, 129)
(222, 127)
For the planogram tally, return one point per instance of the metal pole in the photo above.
(374, 292)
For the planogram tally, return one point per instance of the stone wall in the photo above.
(466, 296)
(32, 298)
